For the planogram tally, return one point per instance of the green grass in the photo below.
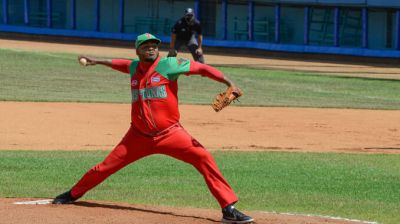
(354, 186)
(38, 76)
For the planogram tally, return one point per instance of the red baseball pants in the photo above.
(174, 142)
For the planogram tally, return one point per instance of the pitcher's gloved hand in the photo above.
(223, 99)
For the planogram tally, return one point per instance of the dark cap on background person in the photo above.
(189, 11)
(189, 15)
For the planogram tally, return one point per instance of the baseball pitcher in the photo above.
(155, 127)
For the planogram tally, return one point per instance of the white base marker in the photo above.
(38, 202)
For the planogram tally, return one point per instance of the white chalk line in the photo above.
(37, 202)
(324, 216)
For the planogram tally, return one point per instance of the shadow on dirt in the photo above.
(132, 208)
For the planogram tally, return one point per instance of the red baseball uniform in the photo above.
(155, 127)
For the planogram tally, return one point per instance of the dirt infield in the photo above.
(77, 126)
(122, 213)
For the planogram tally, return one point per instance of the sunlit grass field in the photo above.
(38, 76)
(354, 186)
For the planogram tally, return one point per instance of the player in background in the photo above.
(184, 32)
(155, 127)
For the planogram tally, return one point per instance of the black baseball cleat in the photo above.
(232, 215)
(64, 198)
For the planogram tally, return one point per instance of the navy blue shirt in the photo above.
(184, 31)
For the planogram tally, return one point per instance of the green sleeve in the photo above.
(172, 67)
(132, 68)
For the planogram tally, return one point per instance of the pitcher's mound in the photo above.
(40, 211)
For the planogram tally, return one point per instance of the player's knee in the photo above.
(203, 156)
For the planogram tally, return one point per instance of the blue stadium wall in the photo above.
(348, 27)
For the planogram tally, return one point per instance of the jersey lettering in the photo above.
(156, 92)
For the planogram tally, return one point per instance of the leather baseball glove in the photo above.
(223, 99)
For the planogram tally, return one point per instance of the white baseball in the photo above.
(83, 61)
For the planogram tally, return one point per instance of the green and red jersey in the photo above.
(155, 89)
(155, 113)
